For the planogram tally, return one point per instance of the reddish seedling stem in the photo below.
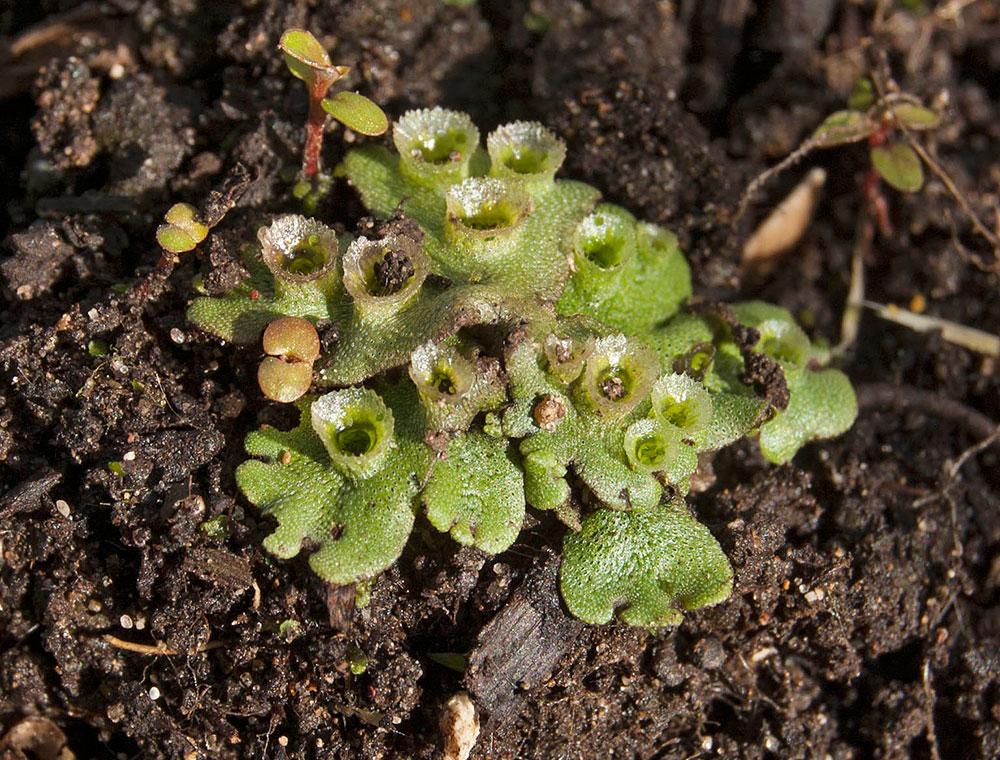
(880, 135)
(872, 187)
(314, 128)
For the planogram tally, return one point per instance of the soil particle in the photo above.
(613, 388)
(27, 496)
(392, 272)
(63, 128)
(36, 263)
(548, 411)
(146, 133)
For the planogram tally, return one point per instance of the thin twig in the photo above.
(878, 21)
(935, 167)
(952, 10)
(972, 451)
(160, 648)
(966, 254)
(850, 322)
(761, 179)
(881, 395)
(930, 698)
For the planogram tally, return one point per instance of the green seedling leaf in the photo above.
(862, 94)
(477, 493)
(357, 112)
(174, 239)
(284, 381)
(843, 127)
(217, 528)
(303, 54)
(913, 116)
(184, 217)
(899, 165)
(648, 565)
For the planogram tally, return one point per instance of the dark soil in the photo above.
(865, 619)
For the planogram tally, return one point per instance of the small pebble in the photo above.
(815, 595)
(177, 336)
(709, 653)
(459, 725)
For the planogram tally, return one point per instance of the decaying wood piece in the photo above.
(519, 647)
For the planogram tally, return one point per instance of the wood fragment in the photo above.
(27, 496)
(850, 322)
(220, 567)
(520, 646)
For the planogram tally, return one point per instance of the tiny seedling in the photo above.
(183, 230)
(309, 61)
(291, 345)
(879, 121)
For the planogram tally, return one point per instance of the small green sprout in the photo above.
(309, 61)
(357, 661)
(183, 231)
(98, 347)
(216, 528)
(866, 118)
(289, 629)
(883, 122)
(452, 660)
(505, 340)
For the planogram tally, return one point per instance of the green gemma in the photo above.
(511, 342)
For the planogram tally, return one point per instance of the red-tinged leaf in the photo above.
(843, 127)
